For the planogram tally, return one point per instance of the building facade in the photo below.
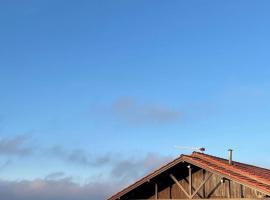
(201, 176)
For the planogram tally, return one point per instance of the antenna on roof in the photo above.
(200, 149)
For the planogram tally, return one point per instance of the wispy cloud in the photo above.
(55, 176)
(126, 168)
(134, 112)
(5, 164)
(21, 145)
(78, 156)
(131, 168)
(15, 146)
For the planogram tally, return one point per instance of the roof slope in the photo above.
(252, 176)
(248, 175)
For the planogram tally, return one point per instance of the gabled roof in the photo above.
(248, 175)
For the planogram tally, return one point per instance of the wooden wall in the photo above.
(214, 188)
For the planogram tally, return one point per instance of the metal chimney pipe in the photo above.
(230, 156)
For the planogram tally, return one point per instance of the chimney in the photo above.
(230, 156)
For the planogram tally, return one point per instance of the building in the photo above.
(201, 176)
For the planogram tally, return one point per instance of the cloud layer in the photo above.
(57, 186)
(120, 171)
(63, 189)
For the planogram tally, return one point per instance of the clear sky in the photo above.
(90, 89)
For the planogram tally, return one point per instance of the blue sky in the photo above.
(88, 86)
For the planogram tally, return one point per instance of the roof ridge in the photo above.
(238, 168)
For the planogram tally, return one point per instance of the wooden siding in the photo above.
(214, 188)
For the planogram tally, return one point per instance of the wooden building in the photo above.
(201, 176)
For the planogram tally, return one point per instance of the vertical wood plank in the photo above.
(156, 191)
(170, 194)
(241, 191)
(203, 176)
(229, 189)
(190, 180)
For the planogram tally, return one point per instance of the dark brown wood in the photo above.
(222, 175)
(198, 193)
(241, 191)
(213, 190)
(176, 185)
(203, 178)
(202, 184)
(179, 185)
(229, 189)
(190, 180)
(156, 191)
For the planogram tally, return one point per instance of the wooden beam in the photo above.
(213, 190)
(204, 192)
(193, 188)
(190, 180)
(156, 191)
(179, 185)
(171, 191)
(241, 191)
(202, 184)
(229, 189)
